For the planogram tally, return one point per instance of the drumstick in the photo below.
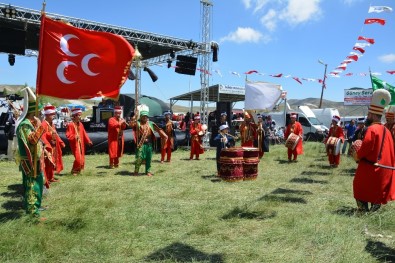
(384, 166)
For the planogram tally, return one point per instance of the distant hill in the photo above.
(311, 102)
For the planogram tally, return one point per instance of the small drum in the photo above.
(355, 146)
(292, 141)
(333, 145)
(231, 164)
(250, 163)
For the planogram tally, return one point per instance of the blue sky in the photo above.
(269, 36)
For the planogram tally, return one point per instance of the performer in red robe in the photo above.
(197, 134)
(248, 131)
(77, 137)
(374, 183)
(116, 125)
(296, 128)
(167, 144)
(53, 145)
(334, 131)
(390, 121)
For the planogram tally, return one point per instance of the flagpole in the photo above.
(370, 74)
(137, 58)
(38, 84)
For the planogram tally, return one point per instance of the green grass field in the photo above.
(293, 212)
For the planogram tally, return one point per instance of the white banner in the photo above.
(357, 97)
(236, 90)
(261, 96)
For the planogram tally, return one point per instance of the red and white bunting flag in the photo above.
(250, 72)
(379, 9)
(218, 72)
(235, 73)
(298, 80)
(363, 74)
(369, 21)
(348, 74)
(347, 61)
(362, 45)
(369, 40)
(353, 57)
(277, 76)
(342, 67)
(76, 63)
(359, 49)
(391, 71)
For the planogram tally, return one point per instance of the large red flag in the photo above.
(76, 63)
(375, 20)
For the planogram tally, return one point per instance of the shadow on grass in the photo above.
(7, 216)
(345, 211)
(70, 224)
(307, 181)
(213, 178)
(291, 191)
(380, 251)
(12, 205)
(245, 214)
(320, 166)
(282, 161)
(315, 173)
(15, 191)
(178, 252)
(348, 172)
(103, 167)
(283, 199)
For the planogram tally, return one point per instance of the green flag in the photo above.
(380, 84)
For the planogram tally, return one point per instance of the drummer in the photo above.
(248, 131)
(294, 128)
(337, 132)
(196, 131)
(223, 141)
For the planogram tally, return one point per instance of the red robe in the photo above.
(167, 144)
(53, 145)
(297, 129)
(334, 131)
(77, 137)
(248, 131)
(115, 137)
(374, 184)
(196, 140)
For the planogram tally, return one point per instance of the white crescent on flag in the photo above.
(261, 96)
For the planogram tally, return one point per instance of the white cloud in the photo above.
(260, 4)
(270, 20)
(245, 34)
(301, 11)
(389, 58)
(351, 2)
(247, 3)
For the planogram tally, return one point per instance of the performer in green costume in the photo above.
(30, 158)
(143, 133)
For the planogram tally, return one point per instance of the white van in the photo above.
(325, 115)
(312, 128)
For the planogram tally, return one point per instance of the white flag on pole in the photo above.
(261, 96)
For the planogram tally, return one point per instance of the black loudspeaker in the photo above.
(186, 65)
(12, 40)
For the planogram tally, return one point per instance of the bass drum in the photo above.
(292, 141)
(333, 145)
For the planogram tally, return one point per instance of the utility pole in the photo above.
(323, 82)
